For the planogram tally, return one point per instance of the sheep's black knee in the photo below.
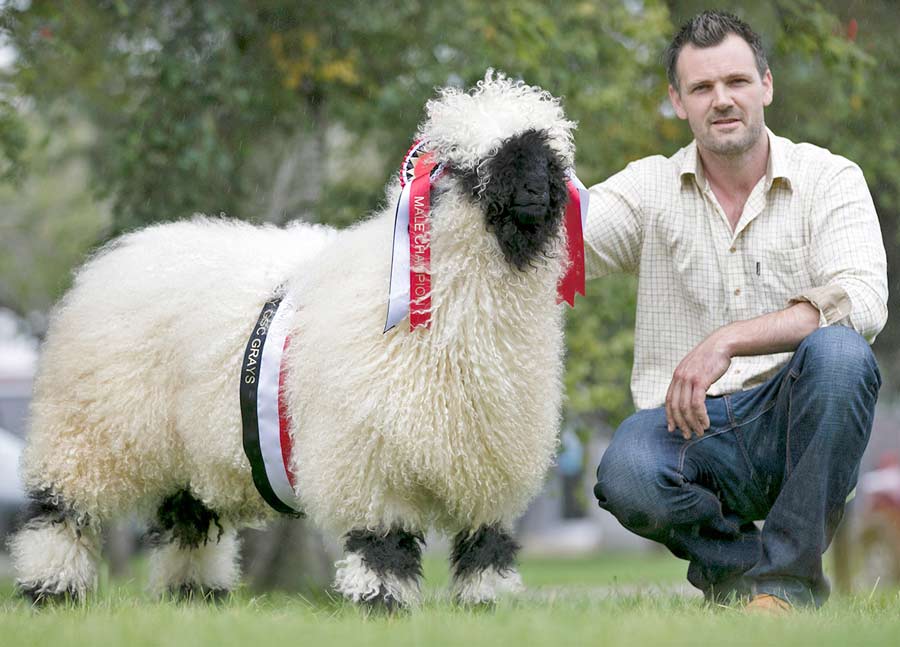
(487, 547)
(397, 553)
(184, 519)
(44, 507)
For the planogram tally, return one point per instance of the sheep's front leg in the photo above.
(381, 570)
(484, 565)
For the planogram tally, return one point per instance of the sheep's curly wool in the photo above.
(136, 392)
(465, 129)
(453, 426)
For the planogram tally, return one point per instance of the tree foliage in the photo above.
(272, 110)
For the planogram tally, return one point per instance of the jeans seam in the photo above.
(683, 452)
(693, 442)
(787, 430)
(729, 409)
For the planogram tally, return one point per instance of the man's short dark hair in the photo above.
(708, 29)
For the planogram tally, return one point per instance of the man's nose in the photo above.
(722, 97)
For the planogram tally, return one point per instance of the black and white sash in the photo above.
(266, 423)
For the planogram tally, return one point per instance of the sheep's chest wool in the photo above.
(453, 425)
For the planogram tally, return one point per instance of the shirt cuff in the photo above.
(832, 301)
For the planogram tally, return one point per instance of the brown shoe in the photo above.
(766, 604)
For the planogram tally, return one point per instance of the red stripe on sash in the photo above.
(284, 418)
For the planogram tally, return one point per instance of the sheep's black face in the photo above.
(525, 196)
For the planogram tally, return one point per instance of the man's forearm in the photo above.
(776, 332)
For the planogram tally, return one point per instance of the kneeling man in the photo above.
(762, 282)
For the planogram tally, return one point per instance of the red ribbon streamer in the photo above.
(420, 244)
(572, 282)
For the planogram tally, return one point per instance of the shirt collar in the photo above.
(690, 165)
(777, 167)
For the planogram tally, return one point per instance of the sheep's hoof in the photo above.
(194, 592)
(40, 598)
(384, 603)
(480, 606)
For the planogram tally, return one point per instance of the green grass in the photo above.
(610, 600)
(608, 570)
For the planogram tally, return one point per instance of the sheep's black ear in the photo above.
(524, 197)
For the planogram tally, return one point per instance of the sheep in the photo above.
(449, 426)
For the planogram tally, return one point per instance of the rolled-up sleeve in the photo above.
(847, 255)
(614, 227)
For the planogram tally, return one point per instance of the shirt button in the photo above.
(733, 250)
(737, 292)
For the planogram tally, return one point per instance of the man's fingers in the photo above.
(678, 402)
(698, 409)
(670, 419)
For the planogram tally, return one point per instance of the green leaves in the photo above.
(12, 142)
(262, 109)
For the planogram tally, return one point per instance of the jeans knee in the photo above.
(629, 486)
(841, 356)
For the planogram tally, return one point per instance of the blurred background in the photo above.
(117, 113)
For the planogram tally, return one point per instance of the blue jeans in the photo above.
(787, 451)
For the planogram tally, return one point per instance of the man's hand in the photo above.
(686, 397)
(776, 332)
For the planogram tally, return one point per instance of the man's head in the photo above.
(719, 81)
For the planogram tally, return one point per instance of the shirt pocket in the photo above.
(781, 274)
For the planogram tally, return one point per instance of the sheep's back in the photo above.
(137, 388)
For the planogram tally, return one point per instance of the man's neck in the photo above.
(736, 175)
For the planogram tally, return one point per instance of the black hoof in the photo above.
(40, 598)
(193, 592)
(383, 604)
(485, 606)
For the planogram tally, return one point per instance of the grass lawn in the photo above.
(608, 600)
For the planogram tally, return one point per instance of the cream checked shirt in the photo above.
(808, 232)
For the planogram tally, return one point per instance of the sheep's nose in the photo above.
(536, 193)
(531, 199)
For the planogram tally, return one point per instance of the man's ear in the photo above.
(769, 86)
(675, 98)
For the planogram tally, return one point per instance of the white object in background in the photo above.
(11, 490)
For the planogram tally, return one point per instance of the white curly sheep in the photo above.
(454, 426)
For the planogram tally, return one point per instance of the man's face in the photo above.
(721, 95)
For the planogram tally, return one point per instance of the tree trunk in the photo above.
(297, 187)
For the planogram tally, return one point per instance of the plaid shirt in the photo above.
(808, 232)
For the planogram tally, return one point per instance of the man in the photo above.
(747, 247)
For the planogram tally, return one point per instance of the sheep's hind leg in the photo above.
(194, 555)
(381, 570)
(484, 565)
(54, 552)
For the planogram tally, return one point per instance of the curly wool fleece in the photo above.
(453, 426)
